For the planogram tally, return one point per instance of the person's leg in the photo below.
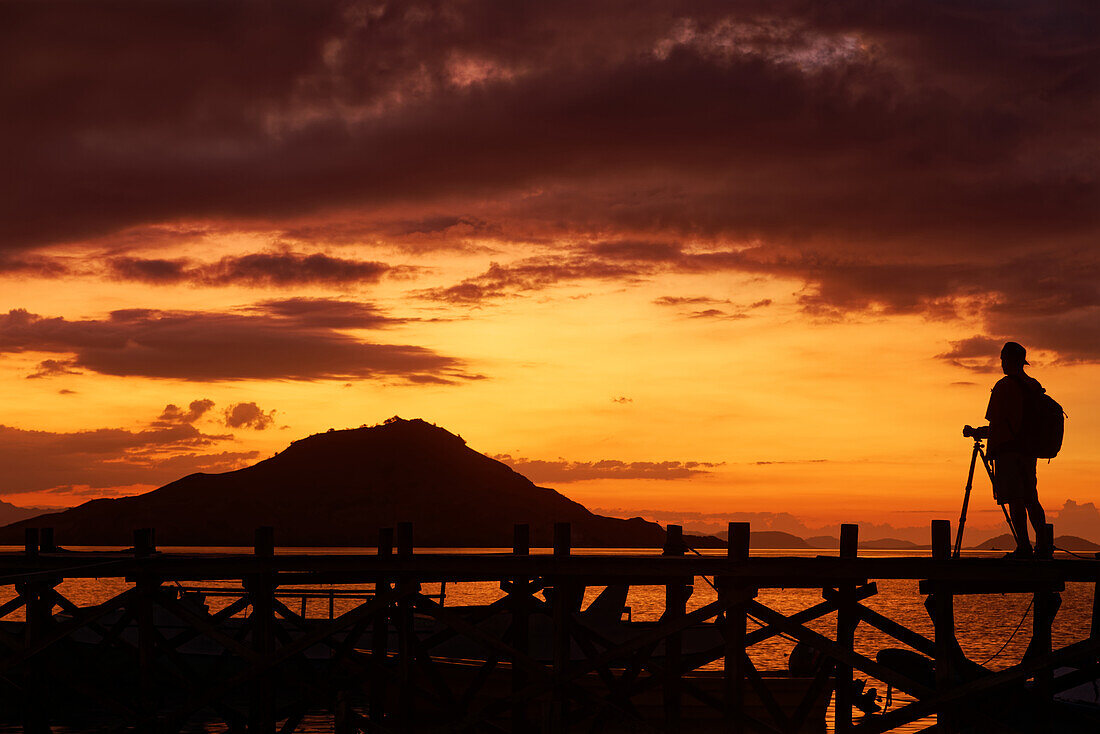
(1037, 516)
(1017, 511)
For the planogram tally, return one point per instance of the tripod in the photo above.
(979, 450)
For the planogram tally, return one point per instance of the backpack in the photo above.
(1044, 422)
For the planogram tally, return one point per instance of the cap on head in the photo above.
(1014, 352)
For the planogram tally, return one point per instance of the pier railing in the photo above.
(397, 659)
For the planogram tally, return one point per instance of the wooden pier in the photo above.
(384, 667)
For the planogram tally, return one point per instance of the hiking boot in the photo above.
(1044, 553)
(1020, 553)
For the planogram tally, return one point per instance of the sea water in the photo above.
(993, 629)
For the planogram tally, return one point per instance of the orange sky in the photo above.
(699, 258)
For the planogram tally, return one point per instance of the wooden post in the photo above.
(1045, 606)
(562, 642)
(1046, 543)
(737, 551)
(261, 590)
(380, 640)
(676, 594)
(147, 585)
(45, 540)
(941, 606)
(521, 546)
(846, 621)
(144, 542)
(405, 630)
(39, 606)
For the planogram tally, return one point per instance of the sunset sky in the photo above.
(711, 257)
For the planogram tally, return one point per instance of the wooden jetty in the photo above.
(380, 674)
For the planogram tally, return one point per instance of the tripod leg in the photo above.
(966, 496)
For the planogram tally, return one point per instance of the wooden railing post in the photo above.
(737, 551)
(846, 622)
(562, 641)
(145, 542)
(405, 631)
(521, 546)
(1045, 607)
(35, 699)
(147, 585)
(380, 640)
(941, 606)
(261, 591)
(676, 595)
(46, 541)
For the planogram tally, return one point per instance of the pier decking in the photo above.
(383, 670)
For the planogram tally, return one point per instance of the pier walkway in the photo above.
(151, 659)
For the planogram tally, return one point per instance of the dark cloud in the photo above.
(278, 340)
(172, 415)
(779, 119)
(688, 300)
(562, 471)
(716, 313)
(937, 159)
(258, 270)
(1080, 519)
(328, 313)
(53, 368)
(532, 274)
(36, 461)
(248, 415)
(45, 267)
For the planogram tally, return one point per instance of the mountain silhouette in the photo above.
(338, 488)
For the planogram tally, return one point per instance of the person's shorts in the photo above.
(1014, 479)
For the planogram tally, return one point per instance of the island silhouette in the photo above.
(339, 487)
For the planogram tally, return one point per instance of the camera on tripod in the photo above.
(976, 433)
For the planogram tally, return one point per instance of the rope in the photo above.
(995, 655)
(1075, 555)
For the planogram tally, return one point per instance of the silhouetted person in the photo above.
(1014, 480)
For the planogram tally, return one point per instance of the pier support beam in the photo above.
(261, 591)
(941, 607)
(521, 546)
(562, 642)
(676, 596)
(846, 622)
(379, 640)
(733, 630)
(35, 593)
(148, 586)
